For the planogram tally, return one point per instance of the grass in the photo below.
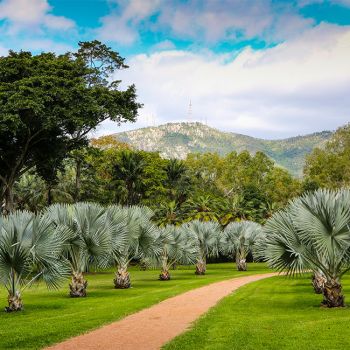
(51, 316)
(278, 313)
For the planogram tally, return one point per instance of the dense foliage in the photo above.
(203, 187)
(48, 105)
(330, 166)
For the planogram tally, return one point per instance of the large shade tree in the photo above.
(312, 233)
(87, 242)
(49, 103)
(207, 236)
(30, 249)
(238, 239)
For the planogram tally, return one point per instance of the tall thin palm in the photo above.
(313, 233)
(207, 236)
(178, 246)
(30, 248)
(88, 241)
(130, 170)
(135, 239)
(238, 239)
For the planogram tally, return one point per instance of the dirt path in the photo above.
(151, 328)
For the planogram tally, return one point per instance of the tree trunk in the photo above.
(122, 278)
(8, 196)
(201, 267)
(78, 285)
(241, 264)
(318, 281)
(77, 180)
(164, 275)
(15, 302)
(49, 195)
(143, 265)
(332, 293)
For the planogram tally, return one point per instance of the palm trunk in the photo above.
(201, 267)
(77, 180)
(332, 293)
(78, 285)
(318, 281)
(14, 302)
(122, 278)
(241, 264)
(165, 274)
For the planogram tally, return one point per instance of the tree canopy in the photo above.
(49, 103)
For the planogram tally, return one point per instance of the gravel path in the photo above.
(151, 328)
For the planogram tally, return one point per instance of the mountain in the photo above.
(176, 140)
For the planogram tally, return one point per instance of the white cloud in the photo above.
(215, 20)
(41, 44)
(122, 27)
(203, 21)
(164, 45)
(3, 51)
(30, 15)
(297, 87)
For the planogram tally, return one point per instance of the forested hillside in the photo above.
(179, 139)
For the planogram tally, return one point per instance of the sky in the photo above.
(266, 68)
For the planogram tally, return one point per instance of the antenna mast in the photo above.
(189, 114)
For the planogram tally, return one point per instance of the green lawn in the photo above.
(277, 313)
(51, 316)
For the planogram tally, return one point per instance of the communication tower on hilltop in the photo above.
(189, 114)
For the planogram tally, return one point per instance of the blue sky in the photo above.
(266, 68)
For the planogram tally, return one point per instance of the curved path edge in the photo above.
(151, 328)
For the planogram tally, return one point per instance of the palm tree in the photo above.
(30, 248)
(29, 193)
(202, 208)
(178, 180)
(207, 236)
(88, 241)
(178, 247)
(167, 214)
(231, 209)
(238, 239)
(134, 237)
(313, 233)
(129, 173)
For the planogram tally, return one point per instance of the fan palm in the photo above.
(207, 236)
(238, 239)
(178, 247)
(134, 237)
(88, 241)
(313, 233)
(30, 248)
